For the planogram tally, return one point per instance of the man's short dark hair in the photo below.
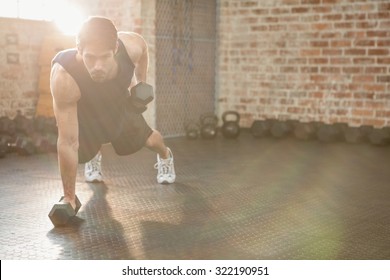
(97, 30)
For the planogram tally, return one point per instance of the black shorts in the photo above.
(132, 138)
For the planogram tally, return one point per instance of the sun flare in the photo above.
(65, 14)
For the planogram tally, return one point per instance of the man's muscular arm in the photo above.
(65, 94)
(137, 50)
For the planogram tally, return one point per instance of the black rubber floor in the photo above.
(234, 199)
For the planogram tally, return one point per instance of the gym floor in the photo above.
(234, 199)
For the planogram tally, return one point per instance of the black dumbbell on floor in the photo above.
(62, 212)
(280, 129)
(305, 130)
(22, 145)
(4, 140)
(379, 136)
(192, 130)
(260, 128)
(208, 126)
(356, 135)
(330, 132)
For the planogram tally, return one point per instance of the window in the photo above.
(65, 13)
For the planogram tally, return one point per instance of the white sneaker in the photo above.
(93, 169)
(165, 169)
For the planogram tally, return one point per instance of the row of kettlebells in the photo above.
(207, 127)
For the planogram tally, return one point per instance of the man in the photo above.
(90, 88)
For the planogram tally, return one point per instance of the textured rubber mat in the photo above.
(234, 199)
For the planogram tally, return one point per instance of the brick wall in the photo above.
(322, 60)
(19, 79)
(20, 47)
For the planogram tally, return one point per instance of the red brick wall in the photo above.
(323, 60)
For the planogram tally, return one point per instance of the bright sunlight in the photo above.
(64, 13)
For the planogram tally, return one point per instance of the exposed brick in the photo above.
(340, 60)
(377, 33)
(313, 2)
(354, 16)
(356, 52)
(375, 70)
(308, 69)
(260, 11)
(363, 79)
(383, 60)
(332, 52)
(279, 11)
(321, 26)
(383, 43)
(383, 79)
(248, 4)
(310, 52)
(332, 17)
(363, 60)
(340, 44)
(363, 112)
(330, 1)
(300, 56)
(319, 44)
(352, 70)
(378, 52)
(374, 87)
(383, 114)
(334, 70)
(318, 60)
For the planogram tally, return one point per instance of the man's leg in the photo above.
(155, 142)
(165, 164)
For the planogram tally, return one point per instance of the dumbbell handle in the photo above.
(141, 95)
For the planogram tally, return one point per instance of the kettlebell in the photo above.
(192, 130)
(231, 128)
(208, 126)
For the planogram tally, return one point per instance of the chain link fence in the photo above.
(185, 60)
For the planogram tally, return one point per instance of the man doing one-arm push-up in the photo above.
(90, 88)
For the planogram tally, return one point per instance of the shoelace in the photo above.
(94, 165)
(164, 166)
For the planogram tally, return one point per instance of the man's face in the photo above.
(99, 61)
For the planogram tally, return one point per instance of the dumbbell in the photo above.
(140, 95)
(4, 139)
(355, 135)
(330, 132)
(281, 129)
(379, 136)
(61, 212)
(22, 145)
(192, 130)
(208, 126)
(305, 130)
(44, 143)
(260, 128)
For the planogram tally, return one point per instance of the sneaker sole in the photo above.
(94, 181)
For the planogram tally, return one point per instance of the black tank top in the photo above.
(101, 107)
